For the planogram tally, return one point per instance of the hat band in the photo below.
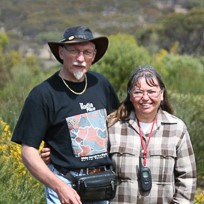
(80, 37)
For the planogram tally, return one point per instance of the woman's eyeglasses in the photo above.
(150, 93)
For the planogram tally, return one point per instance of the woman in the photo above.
(150, 147)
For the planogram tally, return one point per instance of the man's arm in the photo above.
(40, 171)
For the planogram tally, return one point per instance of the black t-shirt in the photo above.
(74, 126)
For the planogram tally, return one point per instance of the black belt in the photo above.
(90, 170)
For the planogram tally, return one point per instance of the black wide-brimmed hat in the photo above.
(80, 34)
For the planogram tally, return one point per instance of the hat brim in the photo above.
(101, 44)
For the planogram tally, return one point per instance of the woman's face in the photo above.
(146, 99)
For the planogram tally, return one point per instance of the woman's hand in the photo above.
(45, 154)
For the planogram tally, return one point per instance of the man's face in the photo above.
(77, 59)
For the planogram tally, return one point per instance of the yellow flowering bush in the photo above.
(199, 196)
(11, 151)
(26, 188)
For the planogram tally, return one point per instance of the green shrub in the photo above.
(189, 109)
(121, 58)
(183, 74)
(25, 190)
(24, 78)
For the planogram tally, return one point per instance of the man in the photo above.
(68, 111)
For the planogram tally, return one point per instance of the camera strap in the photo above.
(145, 146)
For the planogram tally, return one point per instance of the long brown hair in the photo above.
(149, 73)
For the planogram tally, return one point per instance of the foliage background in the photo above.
(140, 32)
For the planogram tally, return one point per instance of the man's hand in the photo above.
(67, 195)
(45, 154)
(38, 168)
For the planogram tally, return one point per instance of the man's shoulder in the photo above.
(96, 74)
(45, 86)
(100, 78)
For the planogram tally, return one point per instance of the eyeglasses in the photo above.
(76, 52)
(150, 93)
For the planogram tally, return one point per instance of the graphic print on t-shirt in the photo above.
(89, 135)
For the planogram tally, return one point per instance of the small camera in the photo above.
(145, 178)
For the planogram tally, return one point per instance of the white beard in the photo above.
(78, 74)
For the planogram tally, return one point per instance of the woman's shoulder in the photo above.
(166, 117)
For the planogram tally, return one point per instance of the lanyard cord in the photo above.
(144, 147)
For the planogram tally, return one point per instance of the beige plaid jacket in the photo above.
(170, 158)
